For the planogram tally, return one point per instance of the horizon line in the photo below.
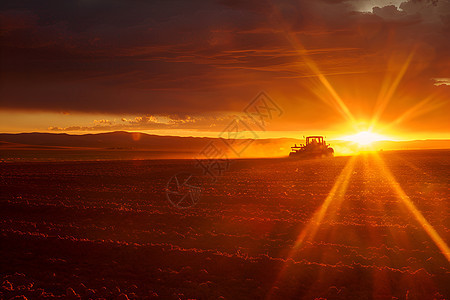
(210, 137)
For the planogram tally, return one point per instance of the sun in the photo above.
(365, 138)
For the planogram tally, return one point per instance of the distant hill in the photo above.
(416, 144)
(123, 141)
(191, 146)
(110, 140)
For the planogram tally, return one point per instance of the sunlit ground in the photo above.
(370, 226)
(375, 174)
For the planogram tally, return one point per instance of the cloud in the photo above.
(441, 81)
(154, 122)
(209, 57)
(388, 12)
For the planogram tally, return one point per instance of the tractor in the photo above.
(315, 147)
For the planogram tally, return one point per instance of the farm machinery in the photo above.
(315, 147)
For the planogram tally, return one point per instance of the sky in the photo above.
(332, 67)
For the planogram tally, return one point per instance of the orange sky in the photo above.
(179, 68)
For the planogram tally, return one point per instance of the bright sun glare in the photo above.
(365, 138)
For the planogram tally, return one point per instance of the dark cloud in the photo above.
(201, 57)
(389, 12)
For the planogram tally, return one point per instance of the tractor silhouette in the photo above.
(315, 147)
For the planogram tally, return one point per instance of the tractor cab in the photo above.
(314, 140)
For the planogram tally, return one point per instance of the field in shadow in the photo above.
(106, 230)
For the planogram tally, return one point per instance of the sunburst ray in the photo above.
(388, 89)
(427, 227)
(338, 103)
(332, 202)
